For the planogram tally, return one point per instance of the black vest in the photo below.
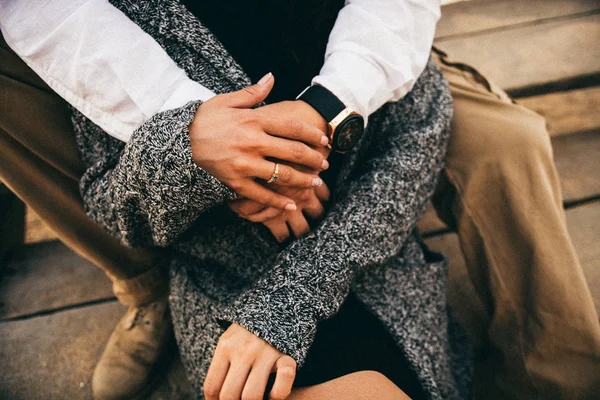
(285, 37)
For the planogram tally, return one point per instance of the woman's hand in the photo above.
(241, 366)
(300, 110)
(309, 203)
(231, 141)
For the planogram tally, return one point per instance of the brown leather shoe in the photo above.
(133, 354)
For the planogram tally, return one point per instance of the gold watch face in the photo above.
(348, 133)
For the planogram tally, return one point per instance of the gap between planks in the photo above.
(478, 16)
(518, 25)
(45, 313)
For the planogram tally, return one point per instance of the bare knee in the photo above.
(357, 385)
(376, 383)
(373, 385)
(371, 377)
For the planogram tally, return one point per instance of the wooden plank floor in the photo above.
(38, 276)
(546, 52)
(57, 310)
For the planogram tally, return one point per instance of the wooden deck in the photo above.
(57, 310)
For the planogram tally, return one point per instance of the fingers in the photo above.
(235, 380)
(249, 96)
(286, 373)
(246, 207)
(322, 193)
(279, 229)
(294, 129)
(262, 195)
(286, 175)
(259, 376)
(264, 215)
(314, 211)
(216, 375)
(294, 151)
(298, 224)
(254, 211)
(241, 366)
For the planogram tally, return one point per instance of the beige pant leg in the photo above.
(40, 164)
(537, 335)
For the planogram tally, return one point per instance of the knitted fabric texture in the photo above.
(149, 192)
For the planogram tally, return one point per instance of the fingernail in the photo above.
(324, 140)
(265, 79)
(325, 164)
(317, 182)
(290, 207)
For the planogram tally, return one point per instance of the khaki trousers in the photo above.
(39, 162)
(533, 323)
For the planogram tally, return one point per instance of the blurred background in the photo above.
(57, 310)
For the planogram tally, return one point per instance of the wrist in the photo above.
(344, 125)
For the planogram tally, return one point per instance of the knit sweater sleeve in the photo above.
(148, 191)
(368, 224)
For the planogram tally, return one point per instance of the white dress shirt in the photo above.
(114, 73)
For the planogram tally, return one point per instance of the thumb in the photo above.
(251, 95)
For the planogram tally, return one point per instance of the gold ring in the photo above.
(275, 174)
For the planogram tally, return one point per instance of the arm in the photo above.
(369, 223)
(377, 50)
(98, 60)
(149, 191)
(137, 79)
(375, 53)
(181, 162)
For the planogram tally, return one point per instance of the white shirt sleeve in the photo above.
(109, 69)
(98, 60)
(377, 50)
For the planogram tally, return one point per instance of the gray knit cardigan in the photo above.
(224, 269)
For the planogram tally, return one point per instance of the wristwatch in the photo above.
(346, 126)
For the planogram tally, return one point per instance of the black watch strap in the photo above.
(326, 103)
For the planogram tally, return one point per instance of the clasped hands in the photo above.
(240, 146)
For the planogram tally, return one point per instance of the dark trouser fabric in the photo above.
(355, 340)
(532, 320)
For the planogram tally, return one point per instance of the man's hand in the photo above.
(241, 366)
(231, 141)
(310, 203)
(297, 109)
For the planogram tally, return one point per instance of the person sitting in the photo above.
(489, 133)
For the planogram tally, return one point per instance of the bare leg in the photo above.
(363, 385)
